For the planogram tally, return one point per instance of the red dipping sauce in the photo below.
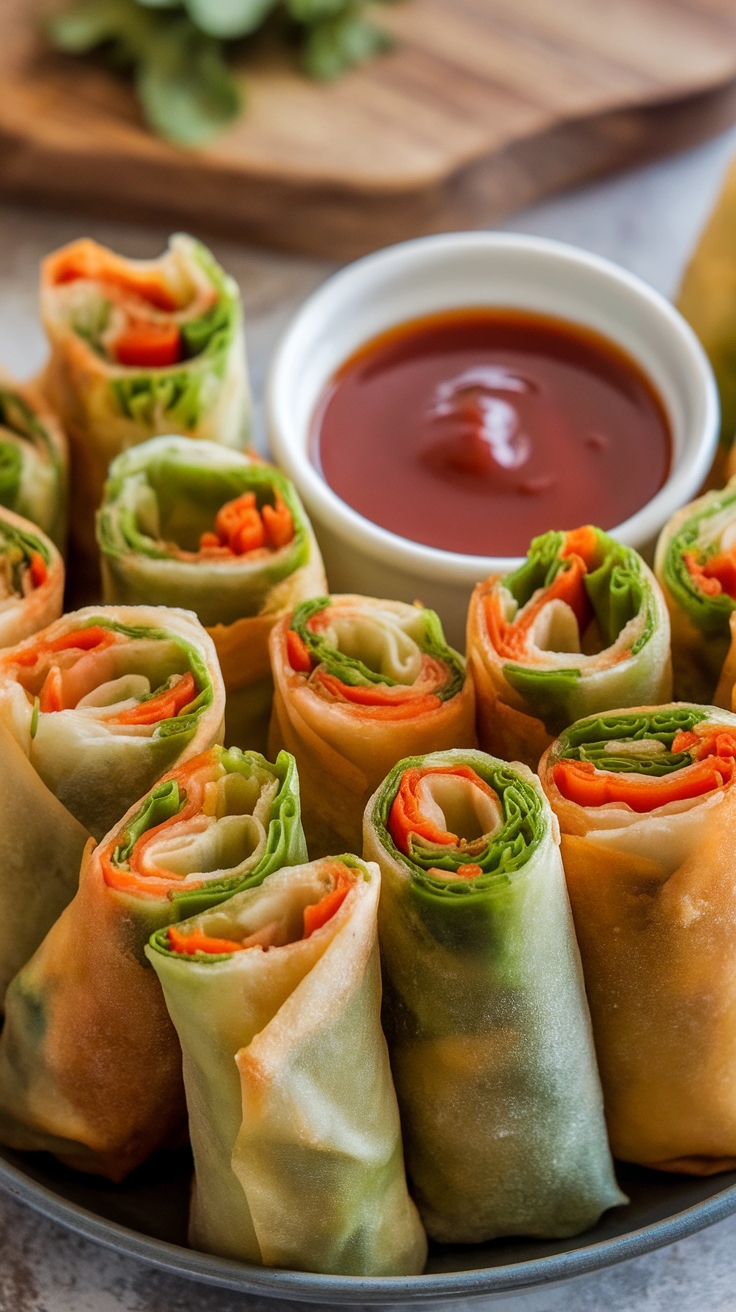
(476, 429)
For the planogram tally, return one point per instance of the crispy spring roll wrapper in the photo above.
(358, 684)
(31, 579)
(646, 801)
(197, 525)
(484, 1006)
(696, 566)
(90, 1065)
(139, 347)
(33, 459)
(93, 710)
(276, 997)
(707, 299)
(580, 627)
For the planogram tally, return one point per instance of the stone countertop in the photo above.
(647, 220)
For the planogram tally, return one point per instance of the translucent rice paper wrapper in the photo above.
(654, 901)
(90, 1065)
(69, 773)
(701, 609)
(106, 406)
(160, 498)
(581, 626)
(33, 459)
(31, 579)
(485, 1010)
(373, 681)
(293, 1115)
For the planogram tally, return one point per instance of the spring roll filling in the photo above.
(579, 603)
(206, 822)
(645, 763)
(136, 313)
(31, 470)
(267, 918)
(373, 657)
(700, 563)
(198, 506)
(24, 562)
(141, 682)
(457, 827)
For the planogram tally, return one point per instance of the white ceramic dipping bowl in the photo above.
(448, 272)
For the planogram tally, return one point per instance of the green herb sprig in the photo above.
(176, 50)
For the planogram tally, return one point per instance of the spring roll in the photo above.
(33, 459)
(90, 1065)
(31, 579)
(646, 801)
(360, 683)
(485, 1011)
(581, 626)
(93, 710)
(197, 525)
(276, 997)
(696, 566)
(139, 347)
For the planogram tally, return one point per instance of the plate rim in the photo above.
(309, 1287)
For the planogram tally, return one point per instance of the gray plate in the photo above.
(146, 1218)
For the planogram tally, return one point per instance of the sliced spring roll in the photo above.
(696, 566)
(646, 801)
(139, 347)
(581, 626)
(485, 1011)
(31, 579)
(93, 710)
(196, 525)
(33, 459)
(358, 684)
(90, 1065)
(105, 700)
(276, 997)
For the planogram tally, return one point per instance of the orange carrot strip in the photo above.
(377, 701)
(163, 707)
(197, 941)
(50, 698)
(278, 523)
(298, 653)
(465, 872)
(581, 542)
(319, 913)
(149, 345)
(510, 640)
(580, 782)
(715, 576)
(85, 259)
(39, 573)
(407, 817)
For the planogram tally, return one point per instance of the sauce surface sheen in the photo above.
(476, 429)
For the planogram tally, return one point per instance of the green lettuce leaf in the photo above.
(589, 739)
(711, 615)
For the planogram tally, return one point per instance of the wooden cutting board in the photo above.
(483, 105)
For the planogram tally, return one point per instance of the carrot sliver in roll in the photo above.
(197, 525)
(93, 709)
(484, 1006)
(580, 627)
(646, 802)
(360, 683)
(139, 347)
(293, 1117)
(90, 1067)
(696, 566)
(31, 579)
(33, 459)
